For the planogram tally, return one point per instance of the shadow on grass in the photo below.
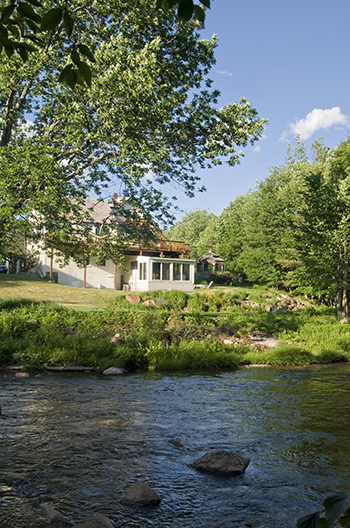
(13, 303)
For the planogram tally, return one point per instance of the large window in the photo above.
(143, 270)
(182, 272)
(177, 271)
(156, 267)
(133, 265)
(161, 271)
(185, 272)
(166, 271)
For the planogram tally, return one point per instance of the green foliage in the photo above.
(196, 228)
(284, 355)
(181, 331)
(78, 141)
(34, 18)
(191, 355)
(336, 510)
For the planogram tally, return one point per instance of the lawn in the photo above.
(40, 290)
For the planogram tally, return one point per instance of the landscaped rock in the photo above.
(116, 338)
(133, 299)
(21, 375)
(149, 302)
(225, 463)
(96, 520)
(113, 371)
(140, 494)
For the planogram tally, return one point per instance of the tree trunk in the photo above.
(342, 292)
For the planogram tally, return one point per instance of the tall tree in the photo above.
(269, 254)
(191, 229)
(149, 117)
(324, 229)
(230, 232)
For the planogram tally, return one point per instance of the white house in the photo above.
(161, 265)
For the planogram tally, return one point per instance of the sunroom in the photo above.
(156, 273)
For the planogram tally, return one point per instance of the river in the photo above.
(78, 440)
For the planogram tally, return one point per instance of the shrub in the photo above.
(189, 355)
(282, 355)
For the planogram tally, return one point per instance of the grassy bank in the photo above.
(215, 328)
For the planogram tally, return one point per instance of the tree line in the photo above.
(291, 231)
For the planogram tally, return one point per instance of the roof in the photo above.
(211, 257)
(99, 211)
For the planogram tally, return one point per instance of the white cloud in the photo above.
(315, 120)
(224, 72)
(257, 149)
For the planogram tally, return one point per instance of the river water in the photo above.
(78, 440)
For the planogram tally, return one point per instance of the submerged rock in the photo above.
(225, 463)
(140, 494)
(96, 520)
(55, 517)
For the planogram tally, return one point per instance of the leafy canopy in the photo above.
(149, 118)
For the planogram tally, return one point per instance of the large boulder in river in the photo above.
(221, 462)
(140, 494)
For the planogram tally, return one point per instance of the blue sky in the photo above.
(291, 61)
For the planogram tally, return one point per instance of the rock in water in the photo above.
(55, 517)
(113, 371)
(225, 463)
(96, 520)
(140, 494)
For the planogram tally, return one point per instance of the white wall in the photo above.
(103, 276)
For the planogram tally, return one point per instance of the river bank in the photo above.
(171, 330)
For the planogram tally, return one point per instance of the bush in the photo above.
(189, 355)
(282, 355)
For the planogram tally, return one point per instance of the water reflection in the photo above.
(77, 441)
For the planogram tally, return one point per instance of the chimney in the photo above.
(114, 196)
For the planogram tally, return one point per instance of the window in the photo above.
(143, 270)
(177, 271)
(133, 265)
(182, 272)
(166, 271)
(185, 272)
(156, 270)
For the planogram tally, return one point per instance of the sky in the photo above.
(291, 61)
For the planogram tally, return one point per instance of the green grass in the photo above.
(180, 331)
